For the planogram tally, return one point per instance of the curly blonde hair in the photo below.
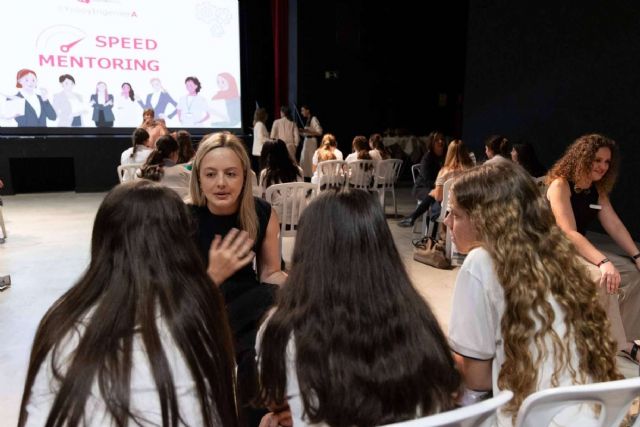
(577, 161)
(535, 262)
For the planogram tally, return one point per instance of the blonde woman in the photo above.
(525, 316)
(233, 227)
(456, 161)
(326, 151)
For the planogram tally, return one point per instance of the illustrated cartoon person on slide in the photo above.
(37, 108)
(158, 100)
(228, 92)
(192, 108)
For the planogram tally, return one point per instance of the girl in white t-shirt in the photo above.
(351, 342)
(525, 315)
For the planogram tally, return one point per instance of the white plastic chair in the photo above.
(128, 172)
(614, 397)
(482, 414)
(360, 174)
(289, 200)
(331, 174)
(385, 176)
(446, 188)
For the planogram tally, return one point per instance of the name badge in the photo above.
(596, 207)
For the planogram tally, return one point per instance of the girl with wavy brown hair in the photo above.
(525, 316)
(579, 187)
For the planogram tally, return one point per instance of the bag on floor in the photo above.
(428, 251)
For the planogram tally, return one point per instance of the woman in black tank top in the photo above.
(579, 187)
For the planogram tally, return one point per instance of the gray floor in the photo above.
(48, 248)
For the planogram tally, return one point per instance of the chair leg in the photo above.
(395, 204)
(4, 230)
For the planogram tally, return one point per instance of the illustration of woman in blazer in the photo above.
(37, 108)
(102, 103)
(158, 100)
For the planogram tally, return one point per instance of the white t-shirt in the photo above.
(474, 331)
(142, 152)
(260, 135)
(144, 401)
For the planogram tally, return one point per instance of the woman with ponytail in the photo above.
(161, 167)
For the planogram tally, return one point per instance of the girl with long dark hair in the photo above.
(350, 341)
(142, 337)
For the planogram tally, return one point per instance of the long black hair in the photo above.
(369, 351)
(144, 270)
(279, 165)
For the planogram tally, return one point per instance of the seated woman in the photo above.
(378, 150)
(330, 345)
(524, 315)
(278, 168)
(497, 148)
(277, 165)
(326, 151)
(185, 144)
(457, 160)
(524, 155)
(579, 187)
(142, 338)
(161, 167)
(360, 148)
(233, 226)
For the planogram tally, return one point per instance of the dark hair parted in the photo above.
(144, 270)
(528, 159)
(64, 77)
(369, 351)
(195, 81)
(577, 161)
(153, 167)
(533, 260)
(132, 95)
(280, 167)
(375, 141)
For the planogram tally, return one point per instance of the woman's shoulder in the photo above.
(263, 208)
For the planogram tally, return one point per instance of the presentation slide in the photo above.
(90, 64)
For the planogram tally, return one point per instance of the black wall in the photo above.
(550, 72)
(392, 62)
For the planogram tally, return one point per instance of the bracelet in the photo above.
(636, 256)
(604, 261)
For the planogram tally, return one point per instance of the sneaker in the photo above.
(406, 222)
(2, 239)
(5, 282)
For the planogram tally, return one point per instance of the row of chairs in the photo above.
(614, 399)
(368, 175)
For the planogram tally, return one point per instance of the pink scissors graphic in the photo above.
(65, 47)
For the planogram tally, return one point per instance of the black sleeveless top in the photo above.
(247, 300)
(580, 202)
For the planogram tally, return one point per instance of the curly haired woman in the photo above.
(525, 316)
(579, 187)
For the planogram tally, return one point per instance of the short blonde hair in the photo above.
(247, 210)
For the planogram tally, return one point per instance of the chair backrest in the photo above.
(482, 414)
(386, 173)
(128, 172)
(360, 174)
(415, 172)
(615, 398)
(446, 189)
(331, 174)
(289, 200)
